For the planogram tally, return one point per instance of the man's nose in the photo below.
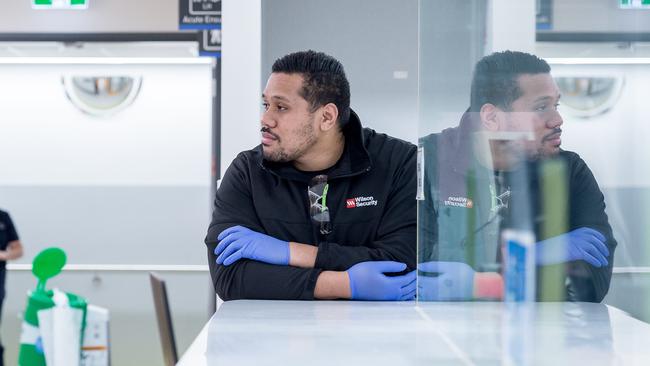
(267, 121)
(555, 121)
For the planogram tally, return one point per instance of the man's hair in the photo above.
(324, 80)
(495, 78)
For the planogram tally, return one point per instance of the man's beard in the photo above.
(541, 151)
(281, 155)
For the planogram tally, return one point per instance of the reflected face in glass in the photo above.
(288, 130)
(536, 111)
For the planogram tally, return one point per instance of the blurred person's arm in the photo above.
(14, 251)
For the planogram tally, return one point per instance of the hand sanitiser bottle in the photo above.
(519, 265)
(46, 265)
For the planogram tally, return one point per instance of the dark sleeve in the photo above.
(589, 283)
(12, 235)
(395, 239)
(246, 279)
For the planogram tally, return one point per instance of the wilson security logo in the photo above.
(456, 201)
(361, 202)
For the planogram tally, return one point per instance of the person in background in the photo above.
(487, 174)
(323, 208)
(10, 249)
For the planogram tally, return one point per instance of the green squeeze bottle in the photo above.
(46, 265)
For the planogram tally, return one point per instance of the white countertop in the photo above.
(249, 332)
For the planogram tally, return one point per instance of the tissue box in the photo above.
(95, 347)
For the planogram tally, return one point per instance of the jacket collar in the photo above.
(456, 146)
(355, 159)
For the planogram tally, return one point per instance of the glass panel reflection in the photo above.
(504, 212)
(589, 96)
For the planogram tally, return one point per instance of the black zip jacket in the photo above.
(372, 206)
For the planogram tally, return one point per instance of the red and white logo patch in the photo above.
(361, 202)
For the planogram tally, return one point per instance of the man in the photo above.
(10, 249)
(489, 174)
(323, 208)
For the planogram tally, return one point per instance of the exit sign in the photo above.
(60, 4)
(634, 4)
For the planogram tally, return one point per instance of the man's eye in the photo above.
(557, 105)
(541, 108)
(266, 106)
(282, 108)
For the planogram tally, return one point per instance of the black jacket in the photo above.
(272, 198)
(447, 224)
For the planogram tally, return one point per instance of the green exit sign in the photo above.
(634, 4)
(60, 4)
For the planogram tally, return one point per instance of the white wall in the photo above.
(375, 40)
(240, 78)
(17, 16)
(511, 25)
(133, 189)
(126, 189)
(154, 142)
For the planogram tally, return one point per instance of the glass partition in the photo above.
(532, 171)
(533, 179)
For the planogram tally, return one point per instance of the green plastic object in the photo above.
(46, 265)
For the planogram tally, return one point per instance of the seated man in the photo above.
(323, 208)
(489, 174)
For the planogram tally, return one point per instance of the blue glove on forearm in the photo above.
(238, 242)
(445, 281)
(580, 244)
(368, 281)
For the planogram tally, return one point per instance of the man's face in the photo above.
(288, 127)
(535, 111)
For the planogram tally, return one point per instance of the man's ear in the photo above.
(329, 116)
(490, 117)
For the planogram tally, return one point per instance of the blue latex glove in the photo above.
(238, 242)
(445, 281)
(368, 282)
(580, 244)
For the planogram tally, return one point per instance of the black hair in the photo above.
(495, 78)
(324, 80)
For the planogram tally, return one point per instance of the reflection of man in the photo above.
(10, 249)
(323, 208)
(470, 190)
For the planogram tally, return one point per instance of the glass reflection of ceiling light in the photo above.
(101, 96)
(589, 96)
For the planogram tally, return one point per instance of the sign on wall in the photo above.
(544, 15)
(210, 42)
(204, 16)
(199, 14)
(634, 4)
(60, 4)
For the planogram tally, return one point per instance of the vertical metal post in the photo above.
(216, 152)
